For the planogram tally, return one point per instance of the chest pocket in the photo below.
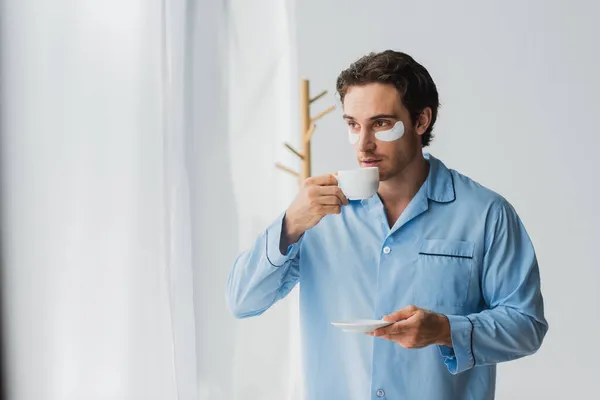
(443, 273)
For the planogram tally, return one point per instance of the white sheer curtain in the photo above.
(138, 144)
(263, 115)
(232, 88)
(241, 108)
(85, 201)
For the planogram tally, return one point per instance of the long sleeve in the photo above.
(513, 325)
(261, 276)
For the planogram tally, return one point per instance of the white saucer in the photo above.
(361, 325)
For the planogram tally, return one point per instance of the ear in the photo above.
(423, 121)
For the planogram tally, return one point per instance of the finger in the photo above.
(323, 180)
(331, 210)
(333, 191)
(393, 329)
(379, 332)
(399, 315)
(329, 201)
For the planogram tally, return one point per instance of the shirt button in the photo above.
(386, 250)
(380, 393)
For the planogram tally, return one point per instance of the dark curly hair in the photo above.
(414, 84)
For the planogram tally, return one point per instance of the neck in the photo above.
(399, 190)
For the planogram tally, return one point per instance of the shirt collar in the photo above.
(439, 183)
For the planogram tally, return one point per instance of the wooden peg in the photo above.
(317, 97)
(322, 114)
(308, 134)
(293, 150)
(288, 170)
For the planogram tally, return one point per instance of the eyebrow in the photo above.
(374, 117)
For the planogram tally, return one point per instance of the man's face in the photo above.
(376, 107)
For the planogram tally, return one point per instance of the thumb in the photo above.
(402, 314)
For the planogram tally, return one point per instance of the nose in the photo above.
(366, 141)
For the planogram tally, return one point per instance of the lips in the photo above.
(370, 162)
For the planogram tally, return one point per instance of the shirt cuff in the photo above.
(273, 239)
(459, 357)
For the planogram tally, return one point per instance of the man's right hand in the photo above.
(319, 196)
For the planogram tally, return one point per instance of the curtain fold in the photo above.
(178, 245)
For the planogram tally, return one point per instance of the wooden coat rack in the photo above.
(307, 129)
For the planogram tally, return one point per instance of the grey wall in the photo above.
(519, 87)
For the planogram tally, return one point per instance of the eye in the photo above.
(380, 123)
(353, 126)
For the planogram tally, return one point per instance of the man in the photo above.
(446, 259)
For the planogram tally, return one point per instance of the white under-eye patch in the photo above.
(385, 136)
(393, 134)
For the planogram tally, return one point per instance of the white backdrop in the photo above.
(519, 89)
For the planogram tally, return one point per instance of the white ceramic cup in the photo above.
(359, 184)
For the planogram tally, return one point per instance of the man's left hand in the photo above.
(414, 328)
